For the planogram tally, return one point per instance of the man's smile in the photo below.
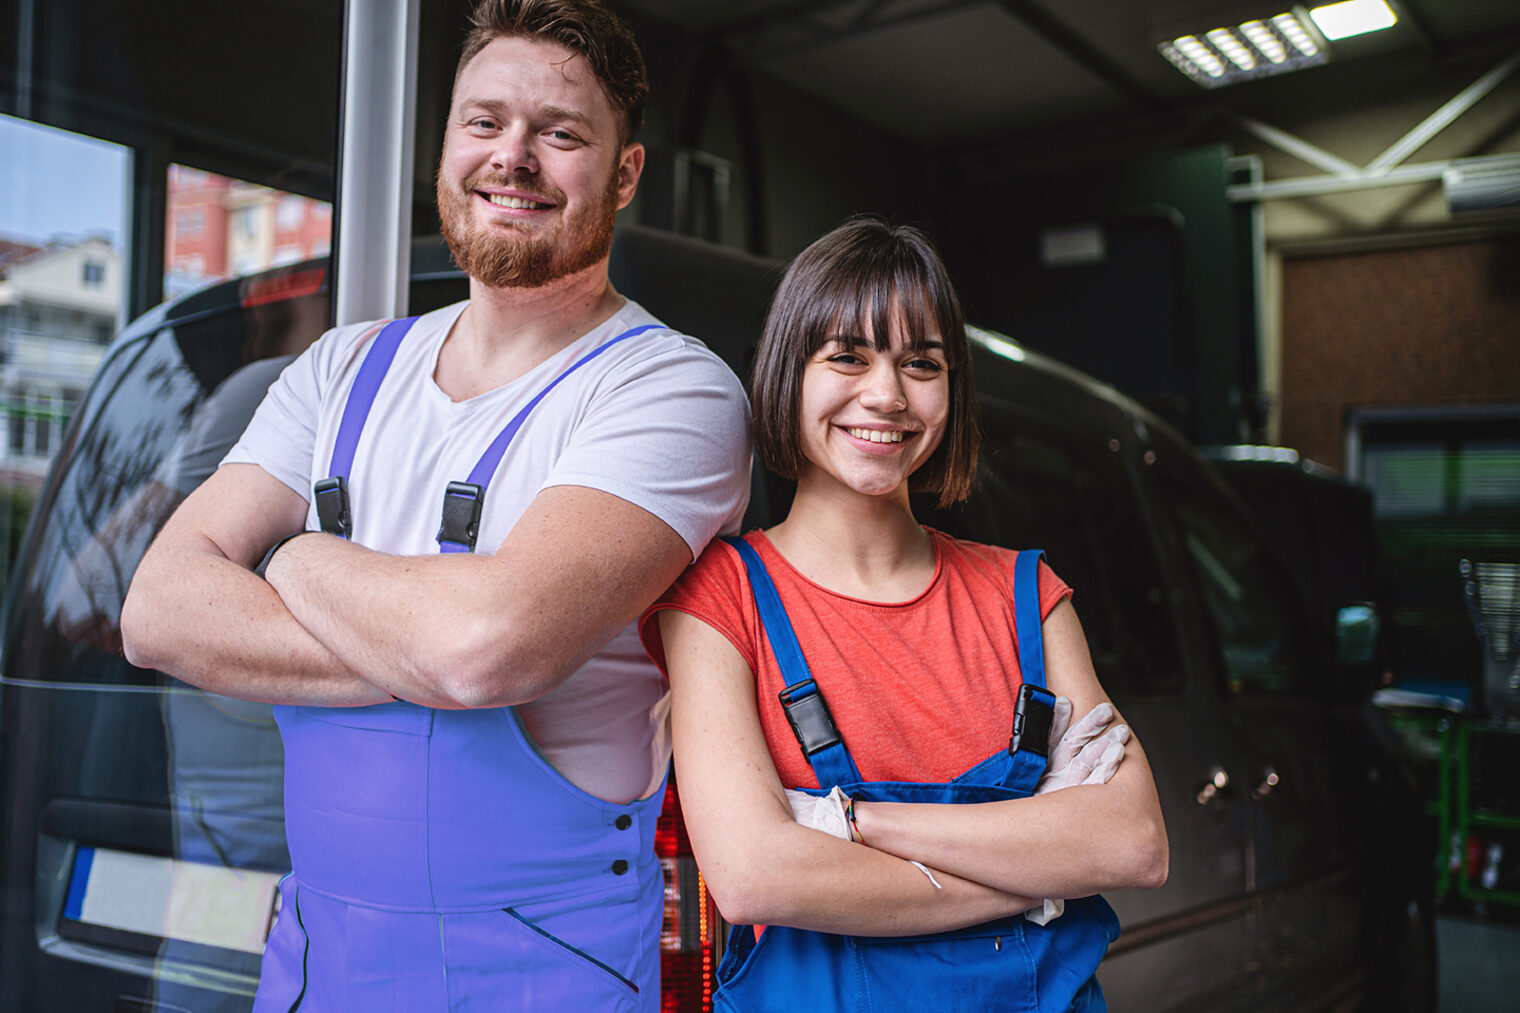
(516, 203)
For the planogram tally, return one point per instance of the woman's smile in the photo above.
(871, 417)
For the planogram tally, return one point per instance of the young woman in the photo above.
(862, 389)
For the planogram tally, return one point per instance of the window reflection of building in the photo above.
(225, 227)
(59, 305)
(223, 757)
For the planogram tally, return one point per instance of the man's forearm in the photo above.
(475, 630)
(209, 621)
(398, 619)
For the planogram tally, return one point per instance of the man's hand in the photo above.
(196, 611)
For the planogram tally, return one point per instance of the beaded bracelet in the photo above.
(849, 814)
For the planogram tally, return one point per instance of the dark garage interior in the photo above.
(1254, 320)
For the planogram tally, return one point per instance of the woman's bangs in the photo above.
(875, 302)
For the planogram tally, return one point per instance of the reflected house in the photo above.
(219, 227)
(59, 305)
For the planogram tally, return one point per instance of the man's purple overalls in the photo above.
(440, 862)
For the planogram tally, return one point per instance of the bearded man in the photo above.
(458, 518)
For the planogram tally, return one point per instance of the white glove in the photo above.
(827, 814)
(821, 812)
(1088, 753)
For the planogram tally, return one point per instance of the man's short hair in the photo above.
(584, 26)
(865, 270)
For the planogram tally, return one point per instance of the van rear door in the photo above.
(1060, 474)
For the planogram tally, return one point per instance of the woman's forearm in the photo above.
(790, 875)
(1068, 843)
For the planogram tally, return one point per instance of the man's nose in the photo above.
(515, 151)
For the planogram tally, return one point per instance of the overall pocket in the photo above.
(501, 960)
(282, 973)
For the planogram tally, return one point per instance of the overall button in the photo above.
(619, 867)
(623, 822)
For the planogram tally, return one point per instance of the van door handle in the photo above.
(1269, 780)
(1216, 786)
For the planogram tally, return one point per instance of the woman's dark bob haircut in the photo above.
(865, 272)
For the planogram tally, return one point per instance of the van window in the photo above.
(1250, 600)
(1066, 491)
(136, 770)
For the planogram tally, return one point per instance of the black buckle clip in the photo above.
(333, 514)
(1032, 718)
(462, 502)
(809, 715)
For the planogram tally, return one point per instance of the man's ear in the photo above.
(630, 168)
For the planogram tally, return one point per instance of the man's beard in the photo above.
(504, 256)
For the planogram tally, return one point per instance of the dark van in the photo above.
(142, 831)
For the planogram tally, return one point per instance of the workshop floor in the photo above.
(1480, 964)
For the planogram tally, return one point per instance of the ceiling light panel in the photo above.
(1353, 17)
(1256, 48)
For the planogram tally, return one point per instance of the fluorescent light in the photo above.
(1257, 48)
(1266, 43)
(1232, 48)
(1295, 33)
(1199, 55)
(1353, 17)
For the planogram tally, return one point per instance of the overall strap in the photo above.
(802, 700)
(1026, 616)
(1029, 745)
(331, 493)
(463, 501)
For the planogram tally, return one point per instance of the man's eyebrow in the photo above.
(555, 113)
(561, 113)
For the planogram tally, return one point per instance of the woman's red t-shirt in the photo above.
(922, 690)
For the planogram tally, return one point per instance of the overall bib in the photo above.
(1005, 964)
(440, 862)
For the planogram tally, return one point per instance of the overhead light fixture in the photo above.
(1353, 17)
(1265, 41)
(1259, 47)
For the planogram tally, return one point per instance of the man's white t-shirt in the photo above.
(657, 420)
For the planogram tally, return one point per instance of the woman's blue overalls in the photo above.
(440, 863)
(1007, 964)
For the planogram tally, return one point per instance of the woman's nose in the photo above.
(884, 391)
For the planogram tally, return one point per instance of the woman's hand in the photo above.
(1103, 835)
(1088, 753)
(824, 813)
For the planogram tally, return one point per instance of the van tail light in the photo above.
(689, 933)
(277, 286)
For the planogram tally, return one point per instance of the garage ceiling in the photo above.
(1000, 68)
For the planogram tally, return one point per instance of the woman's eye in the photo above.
(846, 359)
(925, 365)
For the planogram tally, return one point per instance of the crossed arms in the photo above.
(336, 624)
(992, 859)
